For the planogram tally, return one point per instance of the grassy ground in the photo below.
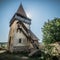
(24, 56)
(16, 56)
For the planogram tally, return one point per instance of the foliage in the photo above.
(48, 49)
(51, 31)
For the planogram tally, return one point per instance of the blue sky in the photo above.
(39, 11)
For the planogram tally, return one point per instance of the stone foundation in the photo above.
(20, 48)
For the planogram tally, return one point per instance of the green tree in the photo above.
(51, 31)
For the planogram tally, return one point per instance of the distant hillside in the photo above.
(3, 42)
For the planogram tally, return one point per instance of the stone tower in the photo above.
(20, 35)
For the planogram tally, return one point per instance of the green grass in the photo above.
(16, 56)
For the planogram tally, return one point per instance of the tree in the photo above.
(51, 31)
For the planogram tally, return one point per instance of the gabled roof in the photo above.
(33, 36)
(21, 11)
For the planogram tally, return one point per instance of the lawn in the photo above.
(24, 56)
(16, 56)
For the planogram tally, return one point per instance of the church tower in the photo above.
(20, 35)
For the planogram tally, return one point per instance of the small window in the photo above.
(18, 24)
(19, 40)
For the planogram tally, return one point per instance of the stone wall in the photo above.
(20, 48)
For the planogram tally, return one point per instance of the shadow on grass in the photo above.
(17, 56)
(8, 56)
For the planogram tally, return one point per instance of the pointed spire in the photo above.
(21, 11)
